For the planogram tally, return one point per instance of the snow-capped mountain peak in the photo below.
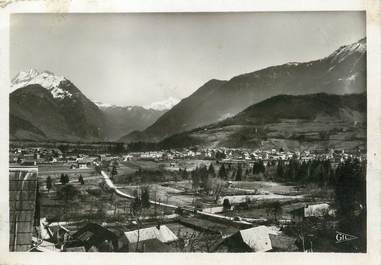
(102, 105)
(164, 104)
(46, 79)
(159, 105)
(25, 76)
(340, 54)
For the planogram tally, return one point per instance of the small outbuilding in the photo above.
(256, 239)
(312, 210)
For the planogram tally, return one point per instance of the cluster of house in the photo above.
(37, 155)
(33, 156)
(93, 237)
(306, 155)
(165, 155)
(28, 232)
(239, 154)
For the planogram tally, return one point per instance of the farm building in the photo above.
(22, 207)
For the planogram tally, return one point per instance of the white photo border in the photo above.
(373, 15)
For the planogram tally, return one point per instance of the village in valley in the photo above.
(186, 200)
(207, 132)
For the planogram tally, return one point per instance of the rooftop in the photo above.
(257, 238)
(163, 234)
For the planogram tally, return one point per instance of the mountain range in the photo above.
(314, 121)
(47, 107)
(120, 120)
(341, 72)
(44, 106)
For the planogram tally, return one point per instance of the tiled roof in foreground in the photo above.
(22, 204)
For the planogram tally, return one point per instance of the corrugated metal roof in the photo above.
(164, 234)
(22, 203)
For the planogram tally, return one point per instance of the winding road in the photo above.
(113, 188)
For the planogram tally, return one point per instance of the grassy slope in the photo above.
(292, 122)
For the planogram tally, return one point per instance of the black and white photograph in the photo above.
(202, 132)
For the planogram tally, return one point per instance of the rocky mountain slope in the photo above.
(47, 107)
(44, 106)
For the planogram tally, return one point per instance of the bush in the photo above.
(97, 192)
(68, 192)
(226, 205)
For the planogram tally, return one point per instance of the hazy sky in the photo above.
(137, 59)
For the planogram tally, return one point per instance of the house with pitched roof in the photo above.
(94, 237)
(161, 232)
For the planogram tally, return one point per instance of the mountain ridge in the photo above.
(53, 108)
(121, 120)
(45, 106)
(332, 121)
(59, 117)
(341, 72)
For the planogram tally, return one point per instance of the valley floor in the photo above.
(195, 216)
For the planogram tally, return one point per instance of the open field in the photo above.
(45, 170)
(163, 194)
(200, 219)
(178, 193)
(175, 165)
(269, 186)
